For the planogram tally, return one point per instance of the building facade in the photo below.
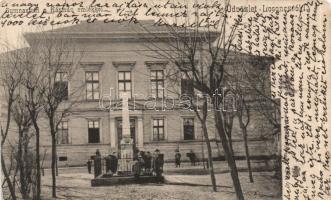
(116, 60)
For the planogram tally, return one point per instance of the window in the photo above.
(61, 85)
(158, 129)
(124, 83)
(92, 85)
(62, 133)
(157, 83)
(63, 158)
(188, 124)
(93, 131)
(187, 86)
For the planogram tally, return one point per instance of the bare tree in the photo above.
(244, 113)
(229, 112)
(36, 81)
(203, 120)
(235, 81)
(33, 98)
(23, 156)
(58, 60)
(20, 81)
(11, 78)
(198, 103)
(266, 105)
(210, 45)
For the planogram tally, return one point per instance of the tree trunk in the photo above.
(228, 155)
(36, 127)
(20, 163)
(244, 131)
(53, 166)
(230, 145)
(7, 178)
(210, 157)
(56, 166)
(4, 134)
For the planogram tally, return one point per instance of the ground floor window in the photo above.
(93, 131)
(62, 133)
(63, 158)
(188, 127)
(158, 129)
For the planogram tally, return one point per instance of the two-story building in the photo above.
(116, 59)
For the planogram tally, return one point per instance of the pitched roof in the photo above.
(115, 31)
(143, 26)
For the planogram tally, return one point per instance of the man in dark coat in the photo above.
(148, 162)
(108, 164)
(193, 157)
(158, 163)
(113, 163)
(177, 158)
(97, 164)
(89, 165)
(136, 168)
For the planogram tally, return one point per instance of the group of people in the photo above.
(110, 160)
(191, 155)
(145, 163)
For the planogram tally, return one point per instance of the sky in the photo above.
(12, 35)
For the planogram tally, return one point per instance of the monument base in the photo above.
(105, 180)
(125, 162)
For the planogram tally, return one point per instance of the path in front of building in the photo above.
(75, 183)
(187, 168)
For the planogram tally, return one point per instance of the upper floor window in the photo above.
(187, 86)
(124, 83)
(188, 127)
(158, 129)
(93, 131)
(92, 85)
(61, 85)
(157, 83)
(62, 133)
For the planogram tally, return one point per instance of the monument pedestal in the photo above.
(125, 173)
(126, 156)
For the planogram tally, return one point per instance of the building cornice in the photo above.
(95, 66)
(156, 64)
(124, 65)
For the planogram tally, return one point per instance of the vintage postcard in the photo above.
(165, 99)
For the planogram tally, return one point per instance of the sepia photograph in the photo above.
(165, 100)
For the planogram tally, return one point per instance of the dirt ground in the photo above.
(77, 185)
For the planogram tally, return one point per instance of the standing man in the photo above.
(89, 165)
(97, 164)
(108, 164)
(158, 162)
(148, 162)
(113, 162)
(192, 157)
(177, 158)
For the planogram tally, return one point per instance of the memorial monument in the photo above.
(125, 174)
(126, 143)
